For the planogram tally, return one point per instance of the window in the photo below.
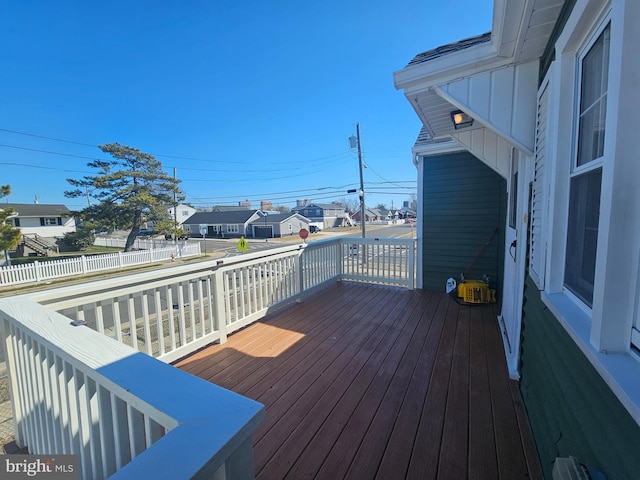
(185, 213)
(233, 228)
(48, 221)
(586, 176)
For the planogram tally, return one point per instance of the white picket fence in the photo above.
(139, 243)
(66, 267)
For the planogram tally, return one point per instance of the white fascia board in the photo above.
(498, 52)
(437, 148)
(497, 22)
(418, 78)
(450, 64)
(509, 25)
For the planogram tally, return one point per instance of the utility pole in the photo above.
(175, 205)
(356, 140)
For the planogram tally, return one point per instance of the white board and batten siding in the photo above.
(492, 149)
(500, 99)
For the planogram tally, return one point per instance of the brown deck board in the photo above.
(482, 449)
(382, 373)
(348, 376)
(511, 463)
(363, 382)
(366, 461)
(454, 446)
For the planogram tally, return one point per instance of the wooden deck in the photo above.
(364, 382)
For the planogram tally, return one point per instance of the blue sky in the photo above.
(246, 100)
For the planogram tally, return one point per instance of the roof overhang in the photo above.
(494, 80)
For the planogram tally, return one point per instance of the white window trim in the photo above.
(563, 113)
(602, 333)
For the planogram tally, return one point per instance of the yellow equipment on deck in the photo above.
(473, 292)
(476, 291)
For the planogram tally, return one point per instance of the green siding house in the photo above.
(529, 170)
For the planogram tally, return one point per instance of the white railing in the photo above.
(66, 267)
(168, 314)
(125, 414)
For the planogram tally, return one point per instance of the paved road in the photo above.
(229, 246)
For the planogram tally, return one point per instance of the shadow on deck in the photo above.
(364, 382)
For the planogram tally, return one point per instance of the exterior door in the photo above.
(515, 249)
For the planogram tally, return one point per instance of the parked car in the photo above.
(182, 236)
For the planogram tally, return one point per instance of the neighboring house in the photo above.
(49, 221)
(182, 213)
(376, 215)
(381, 215)
(41, 226)
(406, 213)
(528, 148)
(222, 224)
(328, 214)
(279, 225)
(232, 208)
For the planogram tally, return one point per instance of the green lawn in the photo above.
(92, 250)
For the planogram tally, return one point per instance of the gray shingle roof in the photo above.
(324, 206)
(37, 209)
(220, 218)
(450, 48)
(279, 217)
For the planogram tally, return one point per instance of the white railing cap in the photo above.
(191, 409)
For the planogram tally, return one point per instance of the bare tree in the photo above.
(351, 205)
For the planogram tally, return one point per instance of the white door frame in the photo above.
(510, 319)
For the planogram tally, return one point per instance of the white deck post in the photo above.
(411, 259)
(219, 293)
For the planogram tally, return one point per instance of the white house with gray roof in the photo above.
(279, 225)
(49, 221)
(222, 224)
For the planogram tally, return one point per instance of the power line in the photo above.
(97, 146)
(280, 193)
(41, 167)
(46, 138)
(177, 157)
(48, 152)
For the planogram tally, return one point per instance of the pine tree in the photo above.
(130, 189)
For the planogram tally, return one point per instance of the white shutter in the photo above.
(537, 240)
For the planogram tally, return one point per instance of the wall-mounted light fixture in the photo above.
(461, 119)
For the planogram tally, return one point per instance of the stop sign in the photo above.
(304, 233)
